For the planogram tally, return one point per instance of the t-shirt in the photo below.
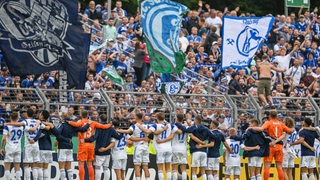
(214, 152)
(275, 128)
(137, 132)
(179, 142)
(13, 139)
(163, 147)
(309, 137)
(30, 123)
(119, 150)
(233, 159)
(284, 61)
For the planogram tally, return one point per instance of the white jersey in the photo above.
(234, 158)
(119, 150)
(13, 140)
(289, 139)
(30, 123)
(179, 142)
(163, 147)
(137, 132)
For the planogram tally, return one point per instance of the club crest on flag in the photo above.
(242, 37)
(38, 28)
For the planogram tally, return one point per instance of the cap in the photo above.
(224, 79)
(120, 67)
(221, 116)
(96, 96)
(4, 68)
(98, 6)
(194, 79)
(214, 42)
(149, 99)
(113, 11)
(120, 36)
(301, 16)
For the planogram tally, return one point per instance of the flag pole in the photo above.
(285, 8)
(63, 85)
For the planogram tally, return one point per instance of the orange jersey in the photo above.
(275, 128)
(90, 131)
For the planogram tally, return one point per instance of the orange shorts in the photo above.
(276, 153)
(86, 152)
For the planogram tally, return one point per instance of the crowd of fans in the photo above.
(293, 43)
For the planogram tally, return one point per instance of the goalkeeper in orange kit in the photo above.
(86, 149)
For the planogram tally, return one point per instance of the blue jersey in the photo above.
(214, 152)
(65, 133)
(200, 132)
(103, 139)
(309, 137)
(301, 26)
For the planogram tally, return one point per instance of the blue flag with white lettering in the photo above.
(38, 36)
(242, 37)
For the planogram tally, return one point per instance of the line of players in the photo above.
(169, 140)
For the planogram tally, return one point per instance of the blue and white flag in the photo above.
(38, 36)
(242, 37)
(161, 21)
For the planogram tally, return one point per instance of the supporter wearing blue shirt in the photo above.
(120, 63)
(308, 158)
(301, 25)
(124, 26)
(310, 62)
(193, 36)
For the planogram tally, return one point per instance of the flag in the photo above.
(112, 73)
(242, 37)
(161, 21)
(38, 36)
(170, 88)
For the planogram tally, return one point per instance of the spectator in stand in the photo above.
(119, 9)
(92, 12)
(234, 85)
(193, 21)
(124, 26)
(110, 31)
(139, 55)
(212, 37)
(215, 21)
(301, 25)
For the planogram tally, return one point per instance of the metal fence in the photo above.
(123, 105)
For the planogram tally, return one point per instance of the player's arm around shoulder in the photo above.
(75, 124)
(100, 126)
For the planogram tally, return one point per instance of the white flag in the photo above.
(242, 37)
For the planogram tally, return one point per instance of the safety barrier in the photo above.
(118, 103)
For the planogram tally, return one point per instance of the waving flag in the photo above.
(38, 36)
(161, 21)
(242, 37)
(112, 73)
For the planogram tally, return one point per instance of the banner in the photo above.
(112, 73)
(39, 36)
(242, 37)
(161, 21)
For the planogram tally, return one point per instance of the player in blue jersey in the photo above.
(308, 159)
(162, 143)
(65, 146)
(213, 153)
(198, 135)
(103, 148)
(11, 147)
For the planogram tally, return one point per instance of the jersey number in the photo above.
(142, 135)
(181, 136)
(88, 133)
(122, 142)
(163, 135)
(16, 135)
(32, 133)
(235, 148)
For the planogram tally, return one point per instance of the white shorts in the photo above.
(213, 164)
(199, 159)
(12, 156)
(164, 157)
(65, 155)
(308, 162)
(31, 154)
(255, 161)
(288, 161)
(102, 160)
(45, 156)
(179, 158)
(232, 170)
(119, 164)
(141, 155)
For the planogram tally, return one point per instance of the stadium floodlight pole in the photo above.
(109, 9)
(285, 8)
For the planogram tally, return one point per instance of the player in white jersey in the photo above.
(179, 152)
(288, 151)
(141, 147)
(162, 143)
(232, 160)
(11, 146)
(31, 153)
(119, 154)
